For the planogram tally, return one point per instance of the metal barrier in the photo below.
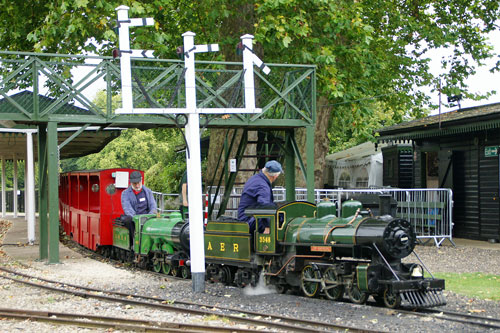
(167, 202)
(428, 210)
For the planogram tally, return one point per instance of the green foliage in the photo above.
(371, 54)
(477, 285)
(9, 174)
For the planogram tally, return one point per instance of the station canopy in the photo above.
(13, 135)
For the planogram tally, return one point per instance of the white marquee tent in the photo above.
(356, 167)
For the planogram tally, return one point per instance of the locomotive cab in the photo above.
(276, 219)
(265, 219)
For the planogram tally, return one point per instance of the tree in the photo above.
(371, 54)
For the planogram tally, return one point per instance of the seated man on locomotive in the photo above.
(137, 199)
(258, 192)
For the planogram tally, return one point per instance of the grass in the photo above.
(478, 285)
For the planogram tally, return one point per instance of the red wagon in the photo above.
(88, 203)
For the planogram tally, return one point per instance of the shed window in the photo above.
(362, 179)
(345, 180)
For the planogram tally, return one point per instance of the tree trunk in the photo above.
(321, 145)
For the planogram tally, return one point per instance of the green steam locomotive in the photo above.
(307, 248)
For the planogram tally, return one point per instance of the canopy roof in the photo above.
(91, 140)
(13, 139)
(357, 155)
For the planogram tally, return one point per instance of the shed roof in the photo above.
(454, 122)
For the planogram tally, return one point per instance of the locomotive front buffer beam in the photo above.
(418, 294)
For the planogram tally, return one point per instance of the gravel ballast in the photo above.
(93, 273)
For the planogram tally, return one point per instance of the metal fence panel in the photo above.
(428, 210)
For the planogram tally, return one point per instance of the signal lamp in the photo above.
(180, 52)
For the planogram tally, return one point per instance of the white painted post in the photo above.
(124, 23)
(4, 196)
(249, 59)
(30, 177)
(193, 160)
(14, 190)
(247, 41)
(126, 72)
(26, 184)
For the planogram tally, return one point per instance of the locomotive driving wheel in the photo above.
(309, 280)
(334, 290)
(157, 263)
(357, 296)
(226, 275)
(185, 272)
(175, 271)
(391, 300)
(165, 268)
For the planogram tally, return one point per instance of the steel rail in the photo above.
(463, 318)
(268, 321)
(118, 323)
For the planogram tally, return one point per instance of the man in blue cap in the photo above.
(258, 192)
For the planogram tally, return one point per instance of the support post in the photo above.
(247, 41)
(289, 166)
(310, 162)
(4, 196)
(43, 222)
(14, 185)
(26, 208)
(30, 195)
(126, 72)
(53, 177)
(193, 161)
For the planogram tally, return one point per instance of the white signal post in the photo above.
(124, 23)
(249, 59)
(193, 162)
(193, 153)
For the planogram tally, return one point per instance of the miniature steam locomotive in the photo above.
(307, 248)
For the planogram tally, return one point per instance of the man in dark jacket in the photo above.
(258, 192)
(138, 199)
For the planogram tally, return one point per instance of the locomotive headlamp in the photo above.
(417, 271)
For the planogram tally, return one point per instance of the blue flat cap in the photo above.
(273, 166)
(135, 177)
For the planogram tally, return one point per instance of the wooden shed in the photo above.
(458, 150)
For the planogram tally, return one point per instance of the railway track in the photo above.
(471, 320)
(115, 323)
(284, 323)
(457, 317)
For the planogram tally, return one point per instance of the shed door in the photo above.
(489, 206)
(465, 195)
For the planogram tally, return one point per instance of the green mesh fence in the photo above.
(36, 86)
